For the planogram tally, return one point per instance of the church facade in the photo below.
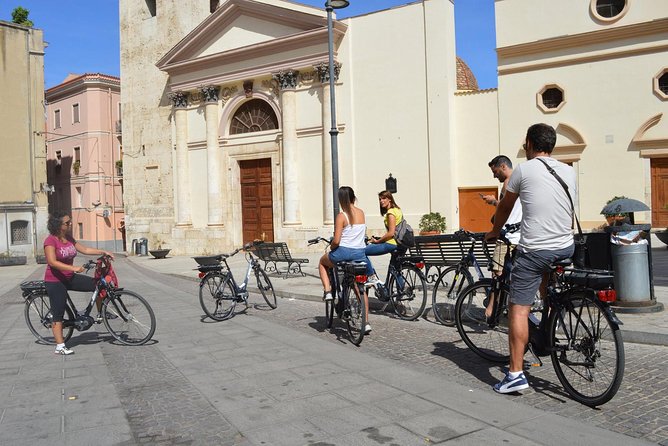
(226, 115)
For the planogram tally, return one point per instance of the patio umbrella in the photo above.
(624, 206)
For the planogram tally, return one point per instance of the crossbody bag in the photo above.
(579, 240)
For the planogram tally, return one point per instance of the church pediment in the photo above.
(239, 24)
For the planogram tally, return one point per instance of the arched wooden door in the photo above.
(257, 206)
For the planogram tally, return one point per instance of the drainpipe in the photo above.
(31, 144)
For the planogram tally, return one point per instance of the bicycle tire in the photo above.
(329, 312)
(354, 313)
(587, 352)
(216, 296)
(266, 288)
(128, 317)
(408, 299)
(488, 342)
(447, 287)
(37, 313)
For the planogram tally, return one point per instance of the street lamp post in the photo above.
(330, 6)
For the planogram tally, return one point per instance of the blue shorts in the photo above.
(527, 272)
(343, 254)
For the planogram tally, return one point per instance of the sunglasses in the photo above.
(68, 223)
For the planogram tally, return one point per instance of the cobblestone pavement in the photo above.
(639, 409)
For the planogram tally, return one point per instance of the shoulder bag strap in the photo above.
(565, 186)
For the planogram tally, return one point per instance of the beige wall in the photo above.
(23, 172)
(606, 76)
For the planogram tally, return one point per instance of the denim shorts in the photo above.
(527, 273)
(343, 254)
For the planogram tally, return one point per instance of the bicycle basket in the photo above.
(104, 269)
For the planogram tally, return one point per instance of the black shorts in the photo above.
(57, 292)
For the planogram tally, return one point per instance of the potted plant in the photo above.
(432, 223)
(76, 166)
(119, 168)
(10, 259)
(159, 252)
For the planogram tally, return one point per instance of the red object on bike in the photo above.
(200, 275)
(104, 269)
(420, 265)
(361, 278)
(607, 295)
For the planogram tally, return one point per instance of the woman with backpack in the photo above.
(386, 243)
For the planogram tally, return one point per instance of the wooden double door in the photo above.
(659, 169)
(257, 205)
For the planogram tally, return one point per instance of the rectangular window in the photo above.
(77, 154)
(20, 235)
(56, 119)
(59, 158)
(75, 113)
(80, 226)
(79, 197)
(150, 4)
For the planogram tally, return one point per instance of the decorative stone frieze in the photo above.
(307, 77)
(227, 92)
(271, 86)
(210, 93)
(287, 79)
(179, 99)
(323, 71)
(248, 88)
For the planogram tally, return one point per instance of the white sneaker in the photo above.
(372, 281)
(327, 296)
(367, 329)
(63, 351)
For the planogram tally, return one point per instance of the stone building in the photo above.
(226, 112)
(23, 185)
(84, 161)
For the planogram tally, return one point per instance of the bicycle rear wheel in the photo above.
(128, 317)
(266, 288)
(446, 289)
(354, 312)
(217, 296)
(487, 340)
(587, 352)
(408, 292)
(38, 316)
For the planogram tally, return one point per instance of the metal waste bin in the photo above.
(142, 244)
(135, 247)
(631, 266)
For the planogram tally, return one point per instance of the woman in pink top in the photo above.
(60, 249)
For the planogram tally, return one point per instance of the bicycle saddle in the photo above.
(563, 262)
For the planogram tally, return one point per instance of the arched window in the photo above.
(19, 230)
(253, 116)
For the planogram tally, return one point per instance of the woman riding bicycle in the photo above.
(386, 243)
(348, 242)
(60, 276)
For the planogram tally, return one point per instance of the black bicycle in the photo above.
(405, 285)
(452, 280)
(575, 327)
(219, 292)
(347, 280)
(126, 315)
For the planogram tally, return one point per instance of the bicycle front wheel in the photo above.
(446, 289)
(216, 296)
(408, 292)
(489, 340)
(587, 352)
(128, 317)
(38, 316)
(354, 312)
(266, 288)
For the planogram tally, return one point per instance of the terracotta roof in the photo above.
(465, 78)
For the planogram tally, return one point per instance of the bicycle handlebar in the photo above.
(313, 241)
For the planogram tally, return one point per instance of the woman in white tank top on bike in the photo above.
(348, 242)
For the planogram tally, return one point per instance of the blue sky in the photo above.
(83, 34)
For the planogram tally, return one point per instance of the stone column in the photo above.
(287, 82)
(328, 206)
(182, 169)
(213, 156)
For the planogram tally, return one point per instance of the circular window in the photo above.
(661, 84)
(609, 10)
(253, 116)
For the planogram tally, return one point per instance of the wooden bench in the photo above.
(273, 253)
(445, 250)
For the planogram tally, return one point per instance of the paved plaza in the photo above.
(279, 377)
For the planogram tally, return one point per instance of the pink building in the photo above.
(84, 157)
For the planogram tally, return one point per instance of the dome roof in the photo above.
(465, 78)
